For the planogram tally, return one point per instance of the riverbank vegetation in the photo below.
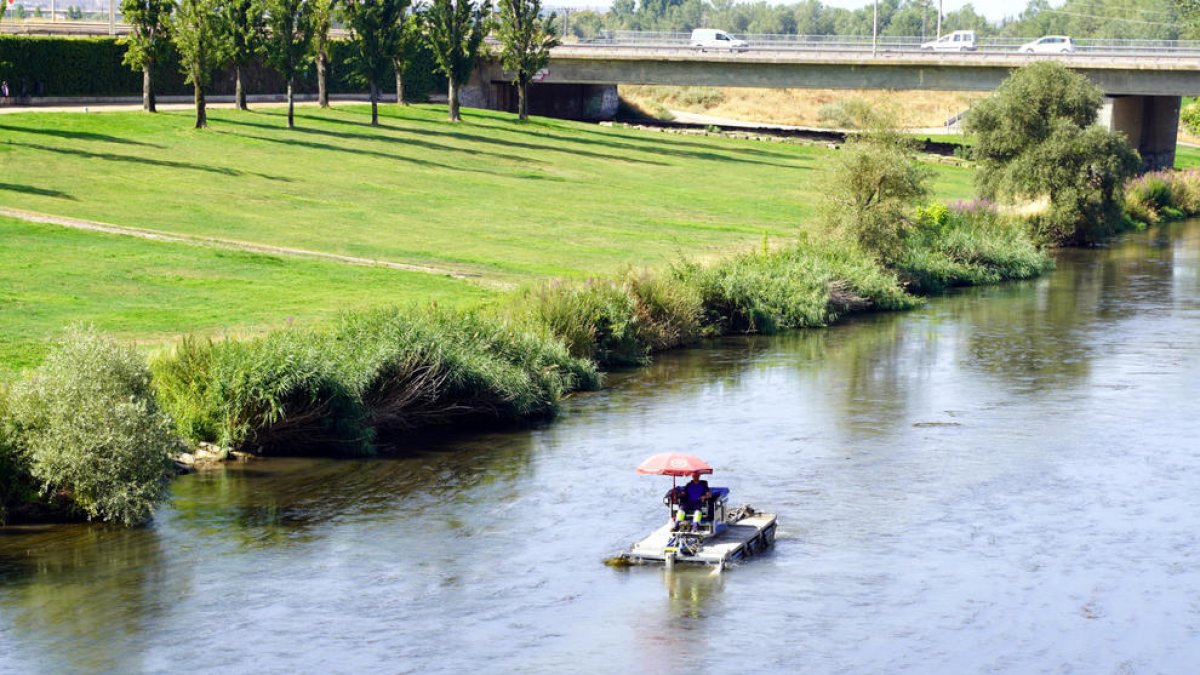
(703, 243)
(1036, 138)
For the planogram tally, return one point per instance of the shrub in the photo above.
(281, 394)
(851, 113)
(1162, 195)
(88, 429)
(968, 244)
(413, 369)
(596, 319)
(667, 312)
(1190, 118)
(802, 285)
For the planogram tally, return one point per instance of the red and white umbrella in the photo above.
(673, 464)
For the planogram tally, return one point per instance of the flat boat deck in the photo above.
(747, 536)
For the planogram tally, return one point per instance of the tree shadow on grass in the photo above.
(31, 190)
(437, 147)
(370, 153)
(163, 163)
(538, 147)
(79, 135)
(538, 127)
(618, 146)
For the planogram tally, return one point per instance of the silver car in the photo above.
(1050, 44)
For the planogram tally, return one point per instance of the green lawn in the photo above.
(506, 201)
(151, 291)
(1187, 157)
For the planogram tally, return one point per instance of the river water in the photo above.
(1007, 480)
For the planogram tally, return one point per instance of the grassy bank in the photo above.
(511, 204)
(323, 361)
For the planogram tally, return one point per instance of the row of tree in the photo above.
(294, 35)
(1144, 19)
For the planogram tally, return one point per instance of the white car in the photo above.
(958, 41)
(711, 38)
(1050, 44)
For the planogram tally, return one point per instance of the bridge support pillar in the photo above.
(1150, 122)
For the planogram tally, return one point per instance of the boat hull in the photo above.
(741, 539)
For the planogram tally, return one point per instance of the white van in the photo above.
(711, 38)
(958, 41)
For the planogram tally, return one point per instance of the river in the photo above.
(1006, 480)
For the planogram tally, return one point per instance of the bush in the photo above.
(1162, 195)
(413, 370)
(596, 319)
(1190, 118)
(851, 113)
(667, 312)
(802, 285)
(969, 244)
(277, 394)
(55, 66)
(86, 426)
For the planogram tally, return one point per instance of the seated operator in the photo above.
(696, 496)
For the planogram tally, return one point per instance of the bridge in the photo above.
(1143, 84)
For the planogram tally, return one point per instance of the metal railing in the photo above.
(861, 43)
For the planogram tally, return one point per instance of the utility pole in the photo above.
(939, 28)
(112, 17)
(875, 29)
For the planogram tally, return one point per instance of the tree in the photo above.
(526, 38)
(289, 43)
(407, 38)
(373, 30)
(322, 18)
(198, 38)
(148, 41)
(242, 27)
(454, 31)
(875, 182)
(1036, 138)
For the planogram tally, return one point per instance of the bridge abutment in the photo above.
(489, 88)
(1151, 124)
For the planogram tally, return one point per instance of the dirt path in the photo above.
(232, 244)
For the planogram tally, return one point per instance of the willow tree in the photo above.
(454, 31)
(1036, 138)
(148, 41)
(199, 40)
(322, 21)
(526, 38)
(373, 32)
(289, 42)
(242, 27)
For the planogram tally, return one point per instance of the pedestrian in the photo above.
(4, 92)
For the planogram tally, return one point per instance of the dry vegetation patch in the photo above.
(801, 107)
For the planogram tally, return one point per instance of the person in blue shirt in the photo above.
(696, 495)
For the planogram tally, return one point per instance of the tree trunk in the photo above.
(374, 104)
(239, 93)
(201, 115)
(147, 88)
(399, 63)
(291, 102)
(523, 100)
(322, 92)
(453, 100)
